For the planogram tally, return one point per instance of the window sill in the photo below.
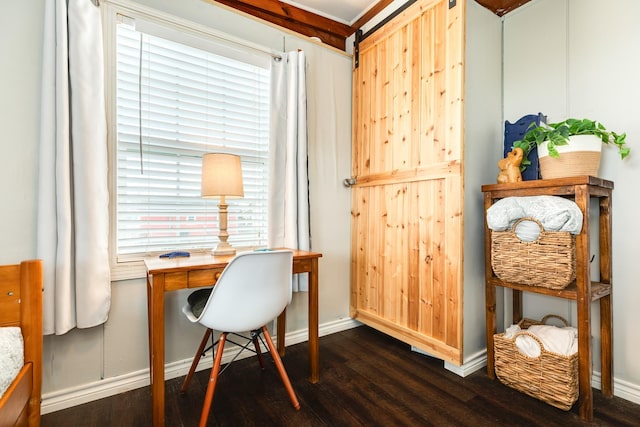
(128, 270)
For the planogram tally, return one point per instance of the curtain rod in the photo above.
(189, 25)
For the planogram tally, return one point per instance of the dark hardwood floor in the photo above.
(366, 379)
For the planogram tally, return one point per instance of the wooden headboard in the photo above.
(21, 305)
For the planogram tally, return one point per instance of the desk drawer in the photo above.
(174, 281)
(200, 278)
(301, 266)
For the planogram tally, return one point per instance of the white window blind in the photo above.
(176, 102)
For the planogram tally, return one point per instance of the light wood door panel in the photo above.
(407, 162)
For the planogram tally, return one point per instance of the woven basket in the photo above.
(581, 156)
(575, 163)
(524, 323)
(550, 377)
(548, 262)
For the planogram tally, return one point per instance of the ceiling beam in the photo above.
(331, 32)
(369, 14)
(501, 7)
(293, 18)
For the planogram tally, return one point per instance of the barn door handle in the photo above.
(348, 182)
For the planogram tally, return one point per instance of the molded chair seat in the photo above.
(253, 289)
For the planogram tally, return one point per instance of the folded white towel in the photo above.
(555, 213)
(562, 341)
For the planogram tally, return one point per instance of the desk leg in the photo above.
(314, 350)
(156, 350)
(281, 330)
(149, 326)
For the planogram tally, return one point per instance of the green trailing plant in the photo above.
(557, 134)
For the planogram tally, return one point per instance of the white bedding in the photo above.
(11, 355)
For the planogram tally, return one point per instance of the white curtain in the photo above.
(288, 171)
(73, 211)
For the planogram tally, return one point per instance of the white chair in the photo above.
(253, 289)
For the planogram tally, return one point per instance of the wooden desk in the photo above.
(164, 275)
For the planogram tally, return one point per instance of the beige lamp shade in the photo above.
(221, 175)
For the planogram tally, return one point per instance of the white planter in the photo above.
(581, 156)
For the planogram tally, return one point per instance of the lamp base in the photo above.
(223, 248)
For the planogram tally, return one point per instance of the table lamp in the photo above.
(222, 177)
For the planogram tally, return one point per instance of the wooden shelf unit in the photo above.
(581, 189)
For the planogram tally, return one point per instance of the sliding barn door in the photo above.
(406, 254)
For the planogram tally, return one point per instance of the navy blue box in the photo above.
(514, 132)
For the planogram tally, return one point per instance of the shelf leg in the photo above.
(490, 314)
(606, 346)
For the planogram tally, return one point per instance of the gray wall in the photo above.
(482, 137)
(579, 58)
(87, 364)
(20, 65)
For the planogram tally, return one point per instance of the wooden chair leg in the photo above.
(213, 381)
(256, 344)
(196, 359)
(281, 370)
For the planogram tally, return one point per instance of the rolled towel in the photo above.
(562, 341)
(511, 331)
(557, 340)
(528, 346)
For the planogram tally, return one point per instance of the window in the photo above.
(179, 95)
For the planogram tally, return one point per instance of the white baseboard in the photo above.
(622, 389)
(73, 396)
(471, 364)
